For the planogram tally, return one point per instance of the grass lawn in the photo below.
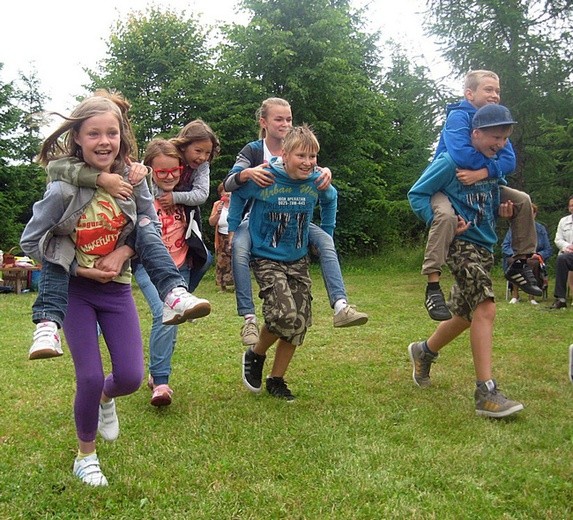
(361, 441)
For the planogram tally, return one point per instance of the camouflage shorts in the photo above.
(285, 291)
(470, 264)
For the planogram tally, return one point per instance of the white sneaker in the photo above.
(181, 306)
(514, 300)
(534, 302)
(88, 470)
(108, 423)
(47, 342)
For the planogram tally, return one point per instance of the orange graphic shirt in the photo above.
(98, 229)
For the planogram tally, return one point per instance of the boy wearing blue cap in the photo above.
(470, 259)
(481, 87)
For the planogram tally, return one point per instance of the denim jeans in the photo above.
(162, 337)
(52, 300)
(154, 257)
(241, 255)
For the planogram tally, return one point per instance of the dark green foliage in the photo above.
(159, 61)
(20, 186)
(317, 56)
(21, 181)
(376, 124)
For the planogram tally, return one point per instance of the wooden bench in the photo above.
(18, 277)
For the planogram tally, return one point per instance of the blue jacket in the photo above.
(477, 203)
(281, 214)
(543, 249)
(456, 140)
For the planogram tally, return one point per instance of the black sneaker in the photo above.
(436, 305)
(277, 387)
(253, 370)
(520, 274)
(558, 304)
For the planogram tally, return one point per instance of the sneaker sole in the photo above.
(411, 354)
(199, 311)
(253, 389)
(161, 400)
(353, 323)
(437, 317)
(499, 415)
(45, 353)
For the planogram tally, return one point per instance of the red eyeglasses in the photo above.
(164, 172)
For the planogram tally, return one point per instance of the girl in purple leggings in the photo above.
(84, 230)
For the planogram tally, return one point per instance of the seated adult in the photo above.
(564, 242)
(537, 261)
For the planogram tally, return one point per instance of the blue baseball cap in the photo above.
(492, 115)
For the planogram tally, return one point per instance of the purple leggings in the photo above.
(112, 306)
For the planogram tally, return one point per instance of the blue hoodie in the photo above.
(478, 203)
(281, 213)
(456, 140)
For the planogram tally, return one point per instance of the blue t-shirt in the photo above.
(281, 214)
(477, 204)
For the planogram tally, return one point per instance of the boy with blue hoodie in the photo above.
(481, 87)
(279, 223)
(470, 259)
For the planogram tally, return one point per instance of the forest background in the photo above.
(376, 111)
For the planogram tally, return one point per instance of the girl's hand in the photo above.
(137, 172)
(258, 175)
(166, 201)
(115, 185)
(325, 178)
(113, 262)
(96, 274)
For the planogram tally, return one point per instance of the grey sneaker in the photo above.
(249, 333)
(421, 362)
(349, 317)
(571, 363)
(492, 403)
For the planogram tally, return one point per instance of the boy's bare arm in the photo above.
(469, 177)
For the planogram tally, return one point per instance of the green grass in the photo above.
(361, 441)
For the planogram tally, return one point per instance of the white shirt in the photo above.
(564, 234)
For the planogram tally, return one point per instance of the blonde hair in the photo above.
(158, 147)
(61, 142)
(474, 77)
(194, 131)
(300, 137)
(263, 111)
